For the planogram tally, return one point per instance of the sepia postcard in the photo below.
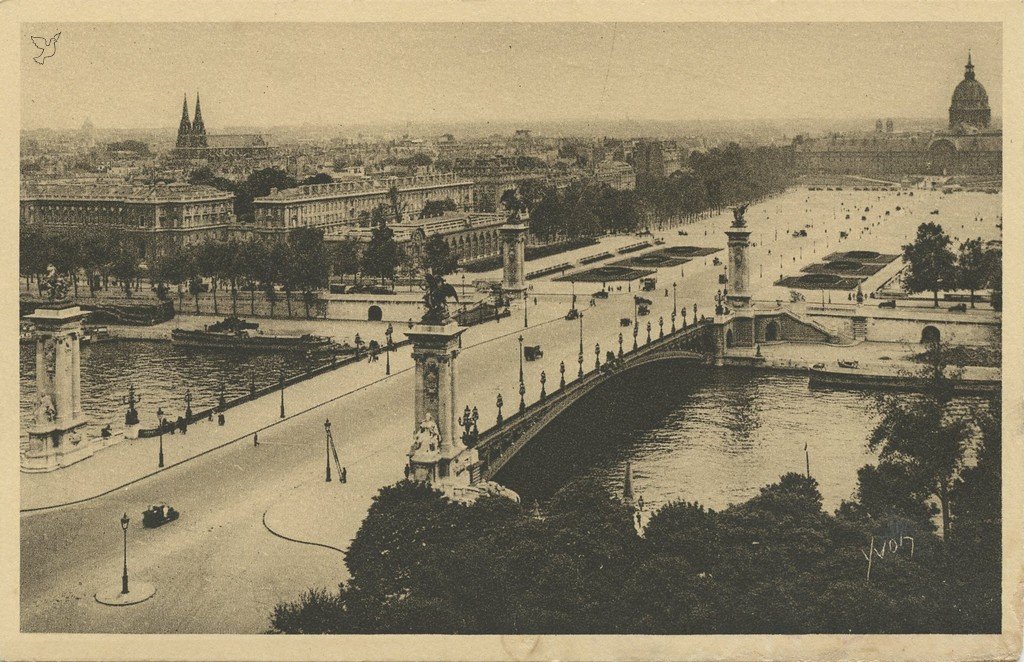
(512, 331)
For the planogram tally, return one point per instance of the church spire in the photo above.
(198, 128)
(185, 127)
(969, 73)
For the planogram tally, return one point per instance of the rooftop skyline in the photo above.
(133, 75)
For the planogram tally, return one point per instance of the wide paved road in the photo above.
(217, 569)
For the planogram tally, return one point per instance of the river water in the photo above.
(697, 433)
(161, 372)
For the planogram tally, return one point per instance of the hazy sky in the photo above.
(132, 75)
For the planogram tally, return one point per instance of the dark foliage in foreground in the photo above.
(775, 564)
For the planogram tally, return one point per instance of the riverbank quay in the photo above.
(880, 365)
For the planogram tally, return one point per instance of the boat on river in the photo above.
(235, 333)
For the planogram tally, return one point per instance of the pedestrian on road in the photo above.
(344, 475)
(181, 424)
(255, 439)
(220, 419)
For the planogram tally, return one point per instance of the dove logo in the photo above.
(47, 47)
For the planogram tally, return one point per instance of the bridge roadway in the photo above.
(218, 569)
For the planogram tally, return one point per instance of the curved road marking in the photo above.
(296, 540)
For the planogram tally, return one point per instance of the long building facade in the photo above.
(470, 235)
(154, 216)
(968, 147)
(338, 206)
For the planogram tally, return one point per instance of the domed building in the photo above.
(969, 107)
(970, 146)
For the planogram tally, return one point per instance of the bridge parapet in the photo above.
(497, 445)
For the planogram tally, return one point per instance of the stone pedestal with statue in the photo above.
(438, 455)
(56, 435)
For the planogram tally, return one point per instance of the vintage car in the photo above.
(852, 365)
(572, 314)
(158, 515)
(888, 303)
(532, 352)
(648, 284)
(643, 309)
(625, 321)
(600, 294)
(958, 308)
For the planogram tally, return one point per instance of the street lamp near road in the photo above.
(280, 383)
(661, 326)
(620, 344)
(500, 403)
(673, 321)
(648, 332)
(522, 383)
(160, 457)
(387, 333)
(673, 298)
(561, 370)
(597, 356)
(124, 573)
(636, 332)
(526, 310)
(327, 447)
(580, 375)
(543, 382)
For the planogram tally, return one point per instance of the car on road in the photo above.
(851, 365)
(533, 352)
(158, 515)
(600, 294)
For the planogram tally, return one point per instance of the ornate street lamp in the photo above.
(620, 344)
(280, 383)
(673, 321)
(387, 333)
(124, 573)
(500, 403)
(543, 381)
(160, 457)
(522, 384)
(597, 356)
(580, 374)
(526, 310)
(661, 326)
(648, 332)
(131, 417)
(673, 298)
(636, 332)
(327, 447)
(561, 371)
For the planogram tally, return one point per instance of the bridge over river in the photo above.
(496, 446)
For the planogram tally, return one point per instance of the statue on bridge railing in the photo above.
(436, 293)
(54, 285)
(737, 215)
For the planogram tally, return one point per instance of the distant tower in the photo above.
(185, 127)
(198, 128)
